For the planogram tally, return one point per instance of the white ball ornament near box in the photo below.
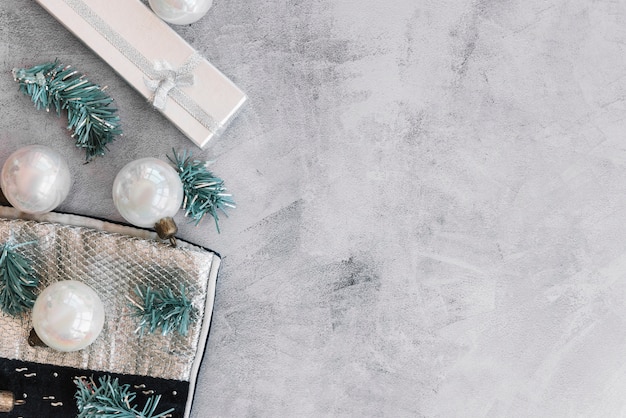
(35, 179)
(147, 193)
(68, 315)
(180, 12)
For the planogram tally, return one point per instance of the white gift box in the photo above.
(156, 61)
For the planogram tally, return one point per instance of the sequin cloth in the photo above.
(113, 264)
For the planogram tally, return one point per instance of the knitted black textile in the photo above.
(38, 383)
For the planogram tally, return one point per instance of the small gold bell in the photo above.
(166, 229)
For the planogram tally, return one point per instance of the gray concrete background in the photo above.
(431, 201)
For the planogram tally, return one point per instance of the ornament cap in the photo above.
(7, 401)
(34, 340)
(166, 229)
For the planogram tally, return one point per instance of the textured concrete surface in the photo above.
(432, 201)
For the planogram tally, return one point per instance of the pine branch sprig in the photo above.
(109, 399)
(92, 120)
(18, 280)
(162, 309)
(204, 192)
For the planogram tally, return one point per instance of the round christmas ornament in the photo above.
(148, 193)
(180, 12)
(35, 179)
(68, 315)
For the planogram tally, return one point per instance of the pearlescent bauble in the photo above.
(68, 315)
(35, 179)
(146, 191)
(180, 12)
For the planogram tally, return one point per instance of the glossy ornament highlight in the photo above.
(180, 12)
(147, 191)
(68, 315)
(35, 179)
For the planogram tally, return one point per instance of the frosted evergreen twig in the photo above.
(162, 309)
(93, 122)
(18, 280)
(109, 399)
(204, 192)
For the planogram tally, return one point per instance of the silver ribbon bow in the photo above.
(161, 78)
(165, 78)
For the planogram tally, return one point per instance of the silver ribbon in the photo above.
(168, 80)
(165, 78)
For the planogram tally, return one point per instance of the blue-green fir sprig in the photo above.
(92, 120)
(18, 280)
(162, 310)
(110, 399)
(204, 192)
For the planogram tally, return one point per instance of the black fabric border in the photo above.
(208, 335)
(130, 226)
(41, 381)
(4, 202)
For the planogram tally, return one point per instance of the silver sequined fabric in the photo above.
(112, 264)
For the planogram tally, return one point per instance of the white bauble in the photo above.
(180, 12)
(35, 179)
(68, 315)
(146, 191)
